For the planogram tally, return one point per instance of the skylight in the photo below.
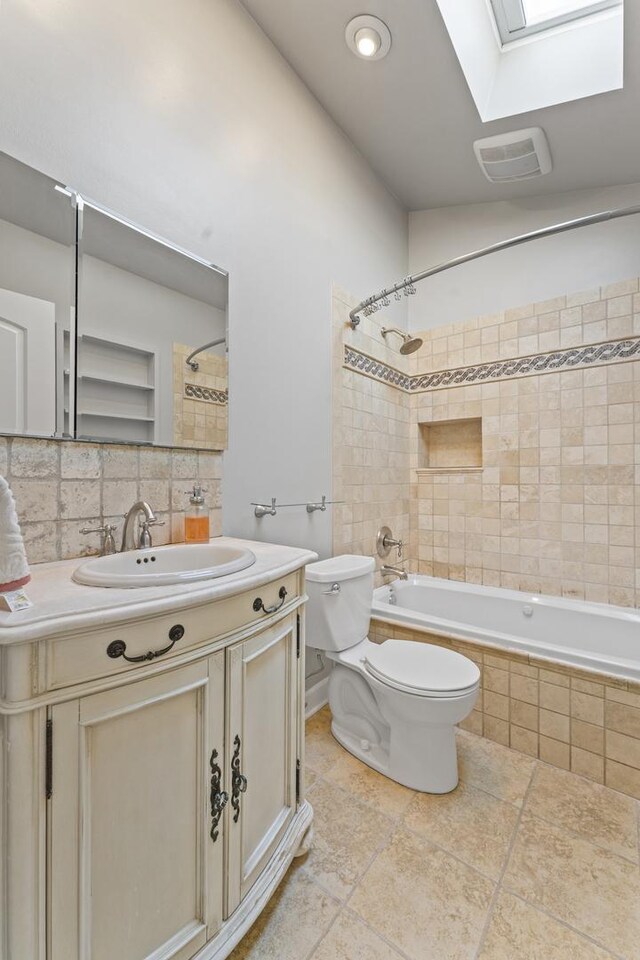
(522, 18)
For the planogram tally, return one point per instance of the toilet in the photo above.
(394, 705)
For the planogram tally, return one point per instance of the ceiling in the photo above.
(412, 116)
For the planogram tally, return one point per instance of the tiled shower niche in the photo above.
(450, 445)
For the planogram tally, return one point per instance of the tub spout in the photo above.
(394, 572)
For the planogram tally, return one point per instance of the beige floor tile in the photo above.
(594, 891)
(310, 777)
(371, 787)
(424, 901)
(519, 932)
(321, 750)
(349, 939)
(494, 768)
(596, 813)
(470, 823)
(295, 918)
(347, 835)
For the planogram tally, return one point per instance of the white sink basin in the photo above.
(179, 563)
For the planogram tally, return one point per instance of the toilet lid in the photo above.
(421, 668)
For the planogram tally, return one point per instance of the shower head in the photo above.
(409, 344)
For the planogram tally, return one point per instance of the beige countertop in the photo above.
(60, 604)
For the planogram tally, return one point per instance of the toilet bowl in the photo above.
(394, 705)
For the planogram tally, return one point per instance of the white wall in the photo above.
(182, 116)
(579, 260)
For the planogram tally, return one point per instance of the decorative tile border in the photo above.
(369, 367)
(207, 394)
(591, 355)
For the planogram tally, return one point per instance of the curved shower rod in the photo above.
(193, 363)
(373, 303)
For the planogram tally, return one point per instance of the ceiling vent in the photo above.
(519, 155)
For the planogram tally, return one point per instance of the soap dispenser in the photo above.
(196, 521)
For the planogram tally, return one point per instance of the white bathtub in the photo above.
(591, 636)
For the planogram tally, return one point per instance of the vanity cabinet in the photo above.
(134, 872)
(169, 801)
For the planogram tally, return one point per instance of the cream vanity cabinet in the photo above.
(168, 800)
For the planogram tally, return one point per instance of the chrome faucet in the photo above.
(394, 572)
(133, 539)
(107, 540)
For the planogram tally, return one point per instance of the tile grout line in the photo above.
(567, 926)
(344, 903)
(498, 883)
(536, 906)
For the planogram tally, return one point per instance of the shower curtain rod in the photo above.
(194, 363)
(370, 305)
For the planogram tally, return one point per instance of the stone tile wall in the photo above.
(200, 400)
(61, 486)
(555, 508)
(370, 441)
(573, 719)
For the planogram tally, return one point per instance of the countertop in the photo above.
(61, 605)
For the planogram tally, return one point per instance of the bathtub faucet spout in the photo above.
(394, 572)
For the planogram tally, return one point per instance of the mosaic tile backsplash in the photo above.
(555, 505)
(61, 486)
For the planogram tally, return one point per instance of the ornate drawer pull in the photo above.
(238, 780)
(258, 604)
(117, 648)
(218, 798)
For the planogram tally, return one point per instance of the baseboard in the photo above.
(316, 697)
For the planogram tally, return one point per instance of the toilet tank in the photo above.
(340, 594)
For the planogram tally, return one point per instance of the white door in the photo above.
(27, 364)
(136, 872)
(262, 694)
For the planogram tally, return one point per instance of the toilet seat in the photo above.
(421, 669)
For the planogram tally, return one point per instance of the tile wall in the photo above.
(572, 719)
(200, 400)
(371, 442)
(555, 508)
(61, 486)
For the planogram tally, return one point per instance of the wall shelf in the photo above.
(450, 446)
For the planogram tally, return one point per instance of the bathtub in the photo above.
(591, 636)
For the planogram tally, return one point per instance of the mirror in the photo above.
(141, 357)
(37, 274)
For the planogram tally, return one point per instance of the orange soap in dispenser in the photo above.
(196, 521)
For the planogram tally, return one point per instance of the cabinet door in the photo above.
(134, 871)
(262, 692)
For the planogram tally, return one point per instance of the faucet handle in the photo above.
(106, 532)
(145, 532)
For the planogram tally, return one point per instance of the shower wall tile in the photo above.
(371, 443)
(61, 486)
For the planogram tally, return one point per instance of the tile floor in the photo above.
(522, 862)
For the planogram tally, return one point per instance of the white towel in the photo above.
(14, 569)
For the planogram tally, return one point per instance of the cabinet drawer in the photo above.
(72, 660)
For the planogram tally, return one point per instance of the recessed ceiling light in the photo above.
(368, 37)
